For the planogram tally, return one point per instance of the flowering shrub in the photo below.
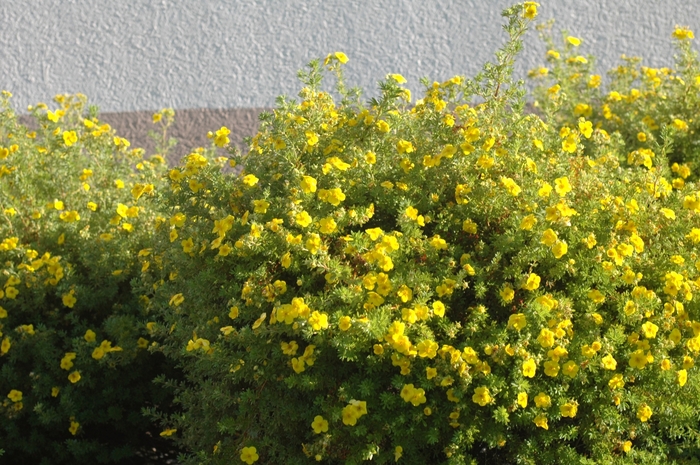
(641, 104)
(450, 281)
(75, 208)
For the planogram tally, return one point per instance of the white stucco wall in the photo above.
(129, 55)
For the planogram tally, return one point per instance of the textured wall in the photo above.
(131, 55)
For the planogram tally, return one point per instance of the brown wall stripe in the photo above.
(189, 128)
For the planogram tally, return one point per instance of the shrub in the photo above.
(639, 103)
(452, 281)
(75, 371)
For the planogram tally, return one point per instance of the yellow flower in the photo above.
(482, 396)
(469, 226)
(177, 220)
(549, 237)
(319, 425)
(616, 382)
(569, 409)
(398, 452)
(74, 377)
(683, 33)
(259, 321)
(67, 360)
(344, 323)
(168, 432)
(530, 10)
(303, 219)
(224, 250)
(522, 399)
(313, 243)
(260, 206)
(15, 395)
(681, 377)
(680, 124)
(570, 369)
(586, 128)
(396, 77)
(176, 300)
(308, 184)
(69, 299)
(89, 336)
(562, 186)
(596, 296)
(187, 245)
(405, 293)
(327, 225)
(249, 455)
(532, 282)
(573, 41)
(427, 349)
(517, 321)
(438, 242)
(11, 292)
(544, 190)
(569, 144)
(649, 329)
(546, 338)
(668, 213)
(70, 216)
(638, 359)
(528, 222)
(644, 412)
(404, 146)
(688, 362)
(286, 260)
(438, 308)
(507, 293)
(485, 162)
(341, 57)
(233, 313)
(333, 196)
(510, 185)
(541, 421)
(551, 368)
(69, 138)
(74, 425)
(221, 138)
(318, 321)
(353, 411)
(311, 138)
(250, 180)
(542, 400)
(608, 362)
(637, 242)
(383, 126)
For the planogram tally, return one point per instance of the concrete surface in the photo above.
(132, 55)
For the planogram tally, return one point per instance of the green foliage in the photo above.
(76, 207)
(452, 281)
(445, 281)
